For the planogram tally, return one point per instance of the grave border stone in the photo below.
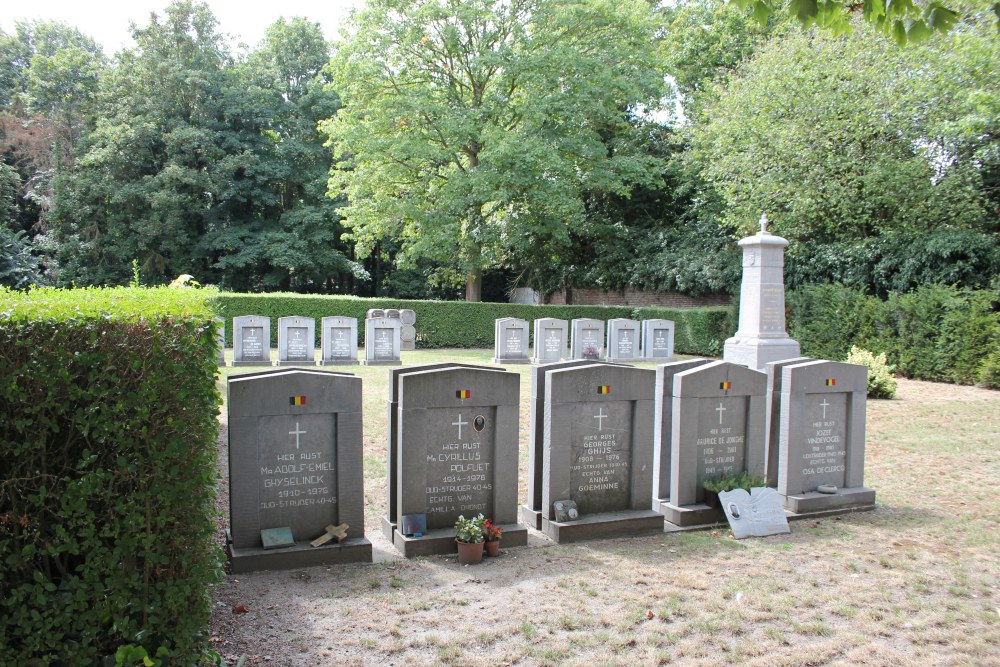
(809, 379)
(505, 460)
(626, 383)
(283, 325)
(327, 324)
(615, 327)
(243, 421)
(649, 328)
(715, 380)
(539, 327)
(251, 321)
(499, 327)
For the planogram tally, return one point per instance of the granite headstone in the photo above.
(339, 341)
(586, 339)
(251, 341)
(296, 341)
(658, 340)
(510, 341)
(550, 340)
(623, 340)
(382, 341)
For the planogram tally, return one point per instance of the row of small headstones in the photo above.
(587, 341)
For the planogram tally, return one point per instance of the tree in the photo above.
(473, 131)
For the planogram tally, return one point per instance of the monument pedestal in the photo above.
(604, 525)
(531, 518)
(756, 353)
(442, 541)
(685, 516)
(302, 554)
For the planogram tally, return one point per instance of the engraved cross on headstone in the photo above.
(720, 410)
(297, 432)
(459, 424)
(825, 404)
(600, 417)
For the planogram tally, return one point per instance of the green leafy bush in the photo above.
(881, 383)
(743, 480)
(108, 433)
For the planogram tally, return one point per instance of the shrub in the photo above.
(881, 383)
(108, 435)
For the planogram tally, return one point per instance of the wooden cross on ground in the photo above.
(332, 532)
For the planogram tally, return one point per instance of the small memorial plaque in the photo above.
(755, 514)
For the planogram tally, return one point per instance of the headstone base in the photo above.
(407, 345)
(352, 550)
(658, 360)
(331, 362)
(497, 360)
(604, 525)
(294, 363)
(756, 353)
(251, 363)
(391, 362)
(388, 528)
(531, 518)
(690, 515)
(442, 541)
(806, 503)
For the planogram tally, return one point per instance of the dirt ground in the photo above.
(915, 582)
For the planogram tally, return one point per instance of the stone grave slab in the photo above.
(822, 437)
(658, 340)
(296, 341)
(510, 341)
(251, 340)
(772, 420)
(663, 404)
(295, 461)
(758, 513)
(587, 339)
(623, 340)
(338, 341)
(457, 452)
(550, 336)
(598, 451)
(531, 512)
(382, 341)
(717, 428)
(390, 520)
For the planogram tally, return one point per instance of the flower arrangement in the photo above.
(743, 480)
(491, 531)
(469, 531)
(590, 352)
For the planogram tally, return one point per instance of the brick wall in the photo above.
(631, 297)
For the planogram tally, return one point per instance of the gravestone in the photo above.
(407, 332)
(296, 341)
(757, 513)
(717, 428)
(339, 341)
(587, 339)
(822, 437)
(390, 520)
(658, 340)
(295, 462)
(663, 405)
(772, 420)
(598, 452)
(623, 340)
(374, 313)
(531, 512)
(510, 341)
(550, 340)
(251, 341)
(382, 341)
(761, 336)
(457, 451)
(392, 312)
(220, 338)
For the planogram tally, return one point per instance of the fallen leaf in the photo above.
(650, 614)
(240, 609)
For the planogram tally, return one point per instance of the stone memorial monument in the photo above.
(587, 339)
(339, 341)
(623, 340)
(295, 468)
(717, 429)
(296, 341)
(251, 341)
(550, 340)
(456, 454)
(382, 341)
(761, 336)
(663, 404)
(821, 450)
(407, 332)
(510, 341)
(658, 340)
(598, 452)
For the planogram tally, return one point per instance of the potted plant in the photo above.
(492, 532)
(469, 538)
(716, 485)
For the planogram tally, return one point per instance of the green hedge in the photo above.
(939, 333)
(108, 435)
(461, 324)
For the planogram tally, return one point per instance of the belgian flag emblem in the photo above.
(726, 386)
(604, 389)
(831, 382)
(463, 394)
(296, 400)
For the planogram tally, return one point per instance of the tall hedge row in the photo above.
(461, 324)
(940, 333)
(108, 433)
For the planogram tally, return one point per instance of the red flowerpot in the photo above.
(493, 548)
(469, 553)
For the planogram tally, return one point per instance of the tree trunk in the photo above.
(474, 285)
